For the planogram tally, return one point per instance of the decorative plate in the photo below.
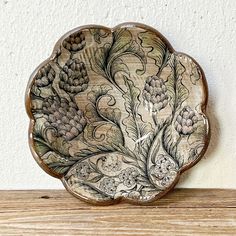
(117, 114)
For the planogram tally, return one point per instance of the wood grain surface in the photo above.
(56, 212)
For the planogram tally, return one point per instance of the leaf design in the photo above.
(90, 151)
(40, 147)
(157, 48)
(104, 127)
(107, 59)
(195, 74)
(98, 34)
(168, 141)
(41, 137)
(103, 133)
(119, 66)
(122, 40)
(111, 114)
(96, 178)
(194, 152)
(138, 52)
(91, 113)
(98, 91)
(96, 113)
(91, 190)
(136, 128)
(177, 91)
(57, 163)
(98, 61)
(182, 92)
(124, 44)
(147, 143)
(61, 145)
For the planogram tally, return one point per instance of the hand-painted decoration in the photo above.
(117, 113)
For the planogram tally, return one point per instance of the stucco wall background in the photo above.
(206, 30)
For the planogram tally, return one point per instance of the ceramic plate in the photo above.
(117, 114)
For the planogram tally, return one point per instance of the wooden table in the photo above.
(56, 212)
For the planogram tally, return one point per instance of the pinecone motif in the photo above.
(64, 116)
(45, 76)
(155, 93)
(74, 77)
(75, 42)
(186, 120)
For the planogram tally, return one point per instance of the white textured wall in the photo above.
(203, 29)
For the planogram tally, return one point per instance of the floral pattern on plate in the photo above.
(117, 113)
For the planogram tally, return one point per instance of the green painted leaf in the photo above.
(98, 34)
(157, 48)
(98, 62)
(107, 59)
(41, 148)
(122, 39)
(57, 163)
(119, 66)
(60, 145)
(123, 44)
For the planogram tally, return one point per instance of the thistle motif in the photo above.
(186, 121)
(45, 76)
(155, 93)
(75, 42)
(64, 116)
(74, 77)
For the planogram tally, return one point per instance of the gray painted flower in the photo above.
(129, 176)
(164, 170)
(109, 185)
(168, 179)
(83, 170)
(186, 120)
(74, 77)
(64, 116)
(155, 93)
(111, 163)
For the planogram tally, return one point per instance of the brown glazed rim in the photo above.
(32, 121)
